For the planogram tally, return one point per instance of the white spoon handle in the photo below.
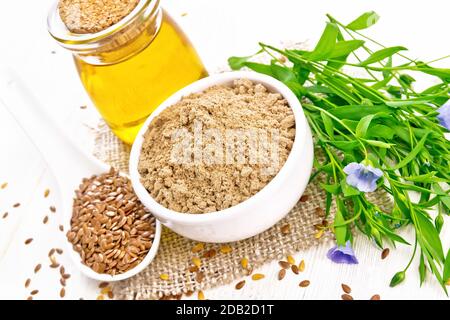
(64, 158)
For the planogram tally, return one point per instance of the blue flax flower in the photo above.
(341, 254)
(362, 177)
(444, 115)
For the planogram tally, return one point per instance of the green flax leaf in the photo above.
(326, 44)
(382, 54)
(364, 21)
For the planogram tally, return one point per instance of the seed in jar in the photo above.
(110, 228)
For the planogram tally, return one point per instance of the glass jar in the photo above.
(131, 67)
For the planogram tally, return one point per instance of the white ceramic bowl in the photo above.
(255, 214)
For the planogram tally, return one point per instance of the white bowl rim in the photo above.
(186, 218)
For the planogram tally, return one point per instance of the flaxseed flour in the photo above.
(215, 149)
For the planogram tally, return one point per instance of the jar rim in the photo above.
(58, 30)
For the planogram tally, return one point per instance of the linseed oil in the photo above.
(125, 93)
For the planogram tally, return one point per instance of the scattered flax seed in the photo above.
(282, 59)
(209, 254)
(189, 293)
(164, 276)
(28, 241)
(100, 297)
(346, 297)
(16, 205)
(62, 293)
(111, 295)
(385, 253)
(30, 298)
(320, 212)
(65, 276)
(59, 251)
(290, 259)
(34, 292)
(201, 295)
(27, 283)
(45, 220)
(83, 107)
(54, 265)
(197, 262)
(375, 297)
(240, 285)
(304, 198)
(51, 252)
(319, 234)
(62, 270)
(284, 264)
(103, 285)
(53, 209)
(5, 215)
(184, 14)
(198, 247)
(4, 185)
(105, 290)
(249, 271)
(346, 288)
(294, 269)
(46, 193)
(286, 229)
(258, 276)
(193, 269)
(244, 263)
(304, 283)
(37, 268)
(62, 281)
(200, 276)
(302, 266)
(226, 249)
(61, 228)
(281, 274)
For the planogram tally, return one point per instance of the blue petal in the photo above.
(341, 254)
(444, 115)
(353, 167)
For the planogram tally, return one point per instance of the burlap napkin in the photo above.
(295, 232)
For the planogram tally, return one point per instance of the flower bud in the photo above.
(397, 278)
